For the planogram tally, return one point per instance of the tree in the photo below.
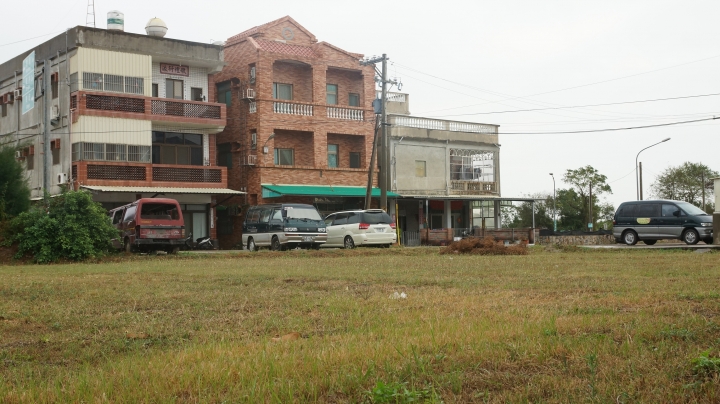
(522, 215)
(69, 226)
(587, 183)
(685, 183)
(14, 190)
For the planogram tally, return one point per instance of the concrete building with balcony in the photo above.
(447, 173)
(126, 116)
(300, 121)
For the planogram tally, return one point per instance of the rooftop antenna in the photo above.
(90, 17)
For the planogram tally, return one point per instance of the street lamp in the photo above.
(554, 211)
(638, 175)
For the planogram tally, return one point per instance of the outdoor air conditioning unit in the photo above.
(18, 154)
(252, 75)
(17, 94)
(55, 116)
(62, 178)
(249, 94)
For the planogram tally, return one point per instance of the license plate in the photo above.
(308, 238)
(379, 230)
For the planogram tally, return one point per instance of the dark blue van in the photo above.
(283, 226)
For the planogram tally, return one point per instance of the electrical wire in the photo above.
(609, 129)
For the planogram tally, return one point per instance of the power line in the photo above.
(585, 106)
(609, 129)
(30, 39)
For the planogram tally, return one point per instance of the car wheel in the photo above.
(650, 242)
(173, 250)
(630, 237)
(251, 245)
(691, 237)
(275, 244)
(316, 246)
(349, 244)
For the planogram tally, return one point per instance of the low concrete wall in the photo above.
(591, 239)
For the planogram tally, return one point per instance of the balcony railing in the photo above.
(438, 124)
(393, 97)
(181, 174)
(346, 113)
(472, 187)
(292, 108)
(146, 174)
(184, 108)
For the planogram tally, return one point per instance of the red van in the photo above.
(149, 224)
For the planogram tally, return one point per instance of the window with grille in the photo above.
(174, 89)
(354, 100)
(284, 157)
(472, 165)
(92, 81)
(114, 83)
(282, 91)
(74, 82)
(354, 160)
(332, 94)
(139, 154)
(116, 152)
(134, 85)
(177, 148)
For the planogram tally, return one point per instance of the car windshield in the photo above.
(293, 212)
(690, 209)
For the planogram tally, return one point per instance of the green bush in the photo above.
(69, 226)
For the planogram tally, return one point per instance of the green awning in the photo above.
(276, 191)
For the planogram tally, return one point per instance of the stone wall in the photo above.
(591, 239)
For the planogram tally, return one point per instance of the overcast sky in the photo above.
(476, 57)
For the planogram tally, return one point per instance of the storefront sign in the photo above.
(178, 70)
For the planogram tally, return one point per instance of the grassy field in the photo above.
(553, 326)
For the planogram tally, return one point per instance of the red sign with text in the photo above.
(177, 70)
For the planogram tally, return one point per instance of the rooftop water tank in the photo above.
(115, 21)
(156, 27)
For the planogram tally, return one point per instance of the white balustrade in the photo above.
(345, 113)
(437, 124)
(292, 109)
(393, 97)
(253, 107)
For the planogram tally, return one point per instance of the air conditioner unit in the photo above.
(55, 112)
(17, 94)
(18, 154)
(252, 75)
(62, 178)
(249, 94)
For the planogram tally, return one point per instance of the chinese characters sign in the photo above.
(166, 68)
(28, 80)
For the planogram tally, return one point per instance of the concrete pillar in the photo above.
(447, 216)
(496, 206)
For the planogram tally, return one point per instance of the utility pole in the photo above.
(384, 157)
(46, 128)
(590, 218)
(640, 170)
(702, 175)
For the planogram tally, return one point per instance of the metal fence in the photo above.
(410, 238)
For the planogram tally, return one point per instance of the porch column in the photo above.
(447, 217)
(498, 216)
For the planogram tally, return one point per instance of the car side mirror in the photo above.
(676, 213)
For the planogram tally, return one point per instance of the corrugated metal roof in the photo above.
(165, 190)
(274, 191)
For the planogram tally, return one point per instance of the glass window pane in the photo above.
(174, 138)
(332, 160)
(183, 155)
(178, 90)
(156, 159)
(420, 168)
(193, 139)
(196, 156)
(158, 137)
(168, 155)
(354, 100)
(332, 90)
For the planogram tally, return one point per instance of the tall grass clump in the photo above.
(483, 246)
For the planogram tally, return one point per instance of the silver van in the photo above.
(283, 226)
(650, 221)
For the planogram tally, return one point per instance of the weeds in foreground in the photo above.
(399, 393)
(483, 246)
(705, 366)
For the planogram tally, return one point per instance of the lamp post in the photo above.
(638, 175)
(554, 211)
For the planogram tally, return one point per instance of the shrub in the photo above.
(70, 226)
(484, 246)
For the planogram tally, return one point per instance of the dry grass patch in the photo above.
(484, 246)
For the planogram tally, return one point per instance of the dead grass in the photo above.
(549, 326)
(484, 246)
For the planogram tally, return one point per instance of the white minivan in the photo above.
(355, 228)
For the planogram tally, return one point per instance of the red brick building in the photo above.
(300, 122)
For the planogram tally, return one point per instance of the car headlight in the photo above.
(321, 230)
(290, 229)
(706, 224)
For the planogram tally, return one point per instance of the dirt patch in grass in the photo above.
(484, 246)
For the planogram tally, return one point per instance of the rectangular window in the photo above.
(223, 93)
(155, 90)
(354, 160)
(253, 141)
(4, 110)
(420, 168)
(196, 94)
(116, 152)
(177, 148)
(114, 83)
(284, 157)
(282, 91)
(134, 85)
(55, 151)
(174, 89)
(332, 94)
(332, 155)
(74, 82)
(354, 100)
(224, 155)
(139, 154)
(30, 159)
(92, 81)
(54, 88)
